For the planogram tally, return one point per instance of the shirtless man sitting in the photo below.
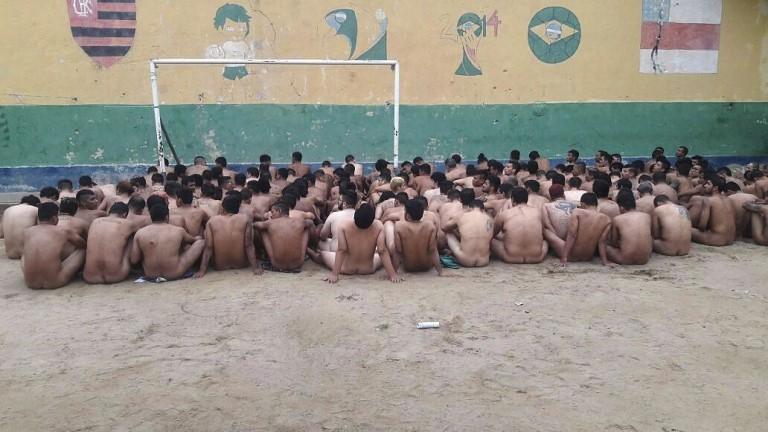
(556, 216)
(759, 221)
(469, 236)
(229, 240)
(741, 216)
(671, 228)
(416, 240)
(194, 218)
(359, 241)
(661, 187)
(87, 206)
(630, 241)
(168, 251)
(136, 212)
(15, 220)
(604, 204)
(518, 232)
(587, 231)
(285, 238)
(645, 202)
(329, 233)
(107, 257)
(52, 254)
(67, 219)
(712, 215)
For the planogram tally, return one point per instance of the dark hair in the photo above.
(231, 204)
(659, 177)
(30, 200)
(216, 172)
(265, 158)
(717, 182)
(533, 185)
(283, 173)
(49, 192)
(350, 199)
(124, 187)
(589, 199)
(386, 195)
(380, 165)
(172, 188)
(297, 156)
(65, 182)
(158, 212)
(86, 181)
(519, 195)
(445, 186)
(438, 177)
(180, 170)
(477, 204)
(456, 158)
(119, 208)
(154, 200)
(68, 206)
(401, 198)
(558, 178)
(47, 211)
(514, 155)
(601, 188)
(137, 203)
(724, 169)
(684, 149)
(208, 190)
(626, 199)
(414, 209)
(732, 187)
(660, 199)
(171, 177)
(624, 184)
(684, 168)
(574, 152)
(533, 155)
(187, 195)
(140, 182)
(240, 179)
(221, 160)
(533, 166)
(574, 182)
(364, 216)
(82, 194)
(466, 196)
(157, 178)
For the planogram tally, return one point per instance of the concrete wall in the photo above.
(62, 106)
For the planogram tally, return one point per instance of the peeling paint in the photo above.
(209, 140)
(98, 154)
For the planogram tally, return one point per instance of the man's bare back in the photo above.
(15, 220)
(520, 235)
(162, 248)
(472, 246)
(107, 258)
(285, 240)
(671, 230)
(631, 242)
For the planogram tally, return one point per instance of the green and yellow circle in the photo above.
(554, 34)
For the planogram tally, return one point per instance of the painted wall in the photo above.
(470, 80)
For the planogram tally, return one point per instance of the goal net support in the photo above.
(155, 64)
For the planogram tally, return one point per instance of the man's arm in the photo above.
(432, 249)
(260, 226)
(340, 257)
(601, 245)
(570, 240)
(250, 250)
(135, 251)
(75, 239)
(207, 252)
(655, 225)
(498, 224)
(545, 219)
(381, 246)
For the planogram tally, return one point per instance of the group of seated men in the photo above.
(177, 224)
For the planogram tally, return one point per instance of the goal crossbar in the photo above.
(154, 63)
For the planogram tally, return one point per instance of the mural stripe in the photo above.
(90, 22)
(117, 15)
(103, 32)
(100, 41)
(117, 7)
(106, 51)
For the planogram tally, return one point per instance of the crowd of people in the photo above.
(410, 218)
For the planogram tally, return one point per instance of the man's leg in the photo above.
(188, 258)
(328, 259)
(664, 248)
(454, 244)
(695, 209)
(614, 254)
(69, 267)
(759, 224)
(555, 243)
(267, 245)
(709, 238)
(389, 236)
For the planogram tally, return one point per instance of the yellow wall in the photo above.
(41, 63)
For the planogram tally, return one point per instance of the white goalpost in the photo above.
(155, 63)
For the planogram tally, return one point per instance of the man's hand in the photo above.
(331, 278)
(258, 271)
(609, 264)
(396, 278)
(198, 275)
(563, 262)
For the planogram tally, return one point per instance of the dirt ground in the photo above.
(677, 345)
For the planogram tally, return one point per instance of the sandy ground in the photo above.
(677, 345)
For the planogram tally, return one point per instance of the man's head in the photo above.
(86, 199)
(445, 187)
(660, 200)
(282, 173)
(626, 200)
(157, 179)
(49, 193)
(556, 191)
(347, 200)
(681, 152)
(137, 204)
(231, 204)
(221, 161)
(172, 189)
(153, 200)
(199, 161)
(364, 216)
(477, 204)
(124, 188)
(414, 210)
(48, 213)
(572, 156)
(456, 158)
(601, 188)
(514, 155)
(296, 156)
(533, 167)
(159, 212)
(30, 200)
(645, 188)
(534, 155)
(732, 188)
(628, 172)
(588, 200)
(466, 196)
(68, 206)
(65, 185)
(119, 209)
(714, 184)
(280, 209)
(579, 168)
(519, 195)
(186, 196)
(532, 186)
(574, 183)
(86, 181)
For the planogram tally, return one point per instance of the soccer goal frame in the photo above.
(155, 63)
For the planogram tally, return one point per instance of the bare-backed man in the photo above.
(469, 236)
(588, 231)
(518, 232)
(87, 206)
(712, 215)
(630, 242)
(416, 240)
(194, 218)
(285, 238)
(107, 257)
(229, 240)
(165, 250)
(15, 220)
(671, 228)
(52, 254)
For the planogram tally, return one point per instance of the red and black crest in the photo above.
(104, 29)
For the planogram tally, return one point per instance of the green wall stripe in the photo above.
(121, 134)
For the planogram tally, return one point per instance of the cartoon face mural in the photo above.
(235, 24)
(469, 30)
(103, 29)
(344, 22)
(554, 34)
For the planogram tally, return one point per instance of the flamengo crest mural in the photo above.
(104, 29)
